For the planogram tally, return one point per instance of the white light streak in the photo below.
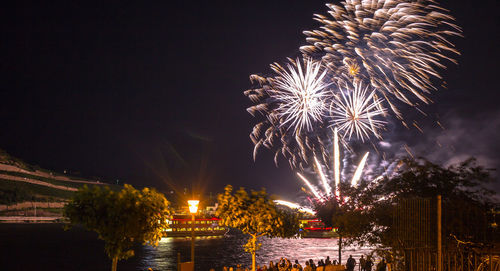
(295, 206)
(311, 187)
(359, 170)
(336, 161)
(328, 189)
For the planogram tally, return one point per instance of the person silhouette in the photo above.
(350, 263)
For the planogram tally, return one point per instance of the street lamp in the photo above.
(193, 208)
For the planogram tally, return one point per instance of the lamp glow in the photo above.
(193, 206)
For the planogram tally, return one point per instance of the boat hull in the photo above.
(318, 234)
(197, 233)
(182, 225)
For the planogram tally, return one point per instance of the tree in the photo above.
(366, 213)
(462, 186)
(255, 214)
(346, 214)
(121, 218)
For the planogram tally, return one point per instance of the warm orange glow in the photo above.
(193, 206)
(353, 69)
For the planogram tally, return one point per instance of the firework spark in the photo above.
(327, 191)
(359, 170)
(395, 46)
(370, 171)
(293, 104)
(299, 93)
(357, 111)
(315, 192)
(336, 161)
(295, 206)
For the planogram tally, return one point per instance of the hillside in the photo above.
(30, 193)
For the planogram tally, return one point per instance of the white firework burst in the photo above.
(300, 93)
(357, 111)
(292, 105)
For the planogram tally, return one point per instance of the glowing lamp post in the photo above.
(193, 208)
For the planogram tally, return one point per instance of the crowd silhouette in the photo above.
(284, 264)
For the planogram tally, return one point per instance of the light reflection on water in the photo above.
(228, 251)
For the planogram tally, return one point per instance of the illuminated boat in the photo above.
(314, 228)
(181, 225)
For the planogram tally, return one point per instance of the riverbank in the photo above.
(31, 219)
(47, 246)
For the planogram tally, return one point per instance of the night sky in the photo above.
(152, 94)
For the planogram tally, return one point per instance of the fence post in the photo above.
(491, 263)
(178, 261)
(439, 255)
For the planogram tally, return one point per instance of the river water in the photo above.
(49, 247)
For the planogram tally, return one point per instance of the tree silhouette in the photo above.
(256, 215)
(121, 219)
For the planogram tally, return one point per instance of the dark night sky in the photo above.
(152, 94)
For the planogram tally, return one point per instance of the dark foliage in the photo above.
(366, 213)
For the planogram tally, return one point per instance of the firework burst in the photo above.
(395, 46)
(376, 170)
(317, 194)
(357, 112)
(294, 103)
(300, 94)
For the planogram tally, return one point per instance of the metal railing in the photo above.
(452, 260)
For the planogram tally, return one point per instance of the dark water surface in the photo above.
(49, 247)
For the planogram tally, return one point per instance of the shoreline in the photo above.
(31, 219)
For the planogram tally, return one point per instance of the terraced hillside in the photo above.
(29, 193)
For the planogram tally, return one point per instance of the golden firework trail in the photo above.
(396, 46)
(373, 54)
